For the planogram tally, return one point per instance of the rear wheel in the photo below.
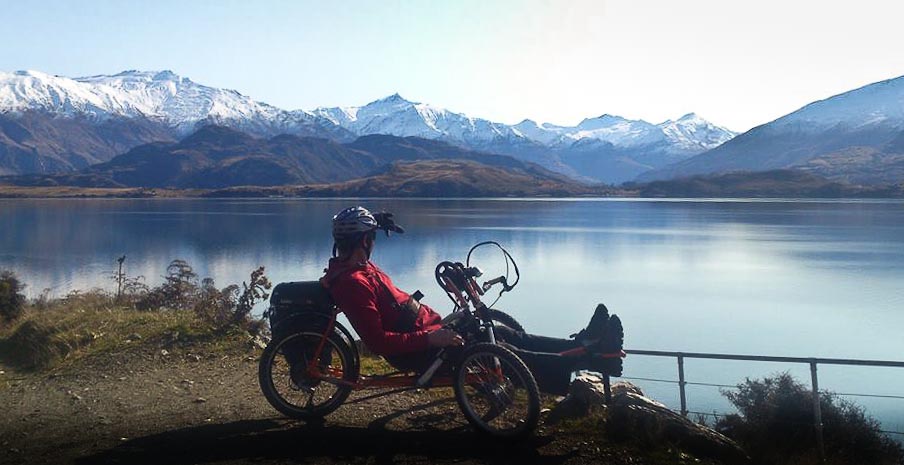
(298, 392)
(496, 392)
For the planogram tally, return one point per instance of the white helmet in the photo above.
(352, 222)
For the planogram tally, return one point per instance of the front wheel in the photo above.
(303, 384)
(496, 392)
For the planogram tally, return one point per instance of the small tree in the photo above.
(256, 290)
(179, 290)
(12, 301)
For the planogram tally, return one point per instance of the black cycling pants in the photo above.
(541, 355)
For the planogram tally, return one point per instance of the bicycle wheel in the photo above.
(496, 392)
(290, 388)
(501, 317)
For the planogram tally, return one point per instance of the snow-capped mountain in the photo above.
(54, 116)
(877, 104)
(848, 137)
(163, 97)
(397, 116)
(607, 148)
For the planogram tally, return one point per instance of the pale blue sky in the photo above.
(737, 64)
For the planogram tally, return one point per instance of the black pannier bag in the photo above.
(301, 302)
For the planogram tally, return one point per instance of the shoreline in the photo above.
(141, 193)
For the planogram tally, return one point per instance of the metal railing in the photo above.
(814, 379)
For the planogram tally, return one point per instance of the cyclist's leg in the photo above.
(551, 371)
(533, 342)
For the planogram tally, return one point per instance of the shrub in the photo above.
(179, 290)
(775, 425)
(227, 307)
(12, 302)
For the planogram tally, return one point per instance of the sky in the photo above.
(737, 64)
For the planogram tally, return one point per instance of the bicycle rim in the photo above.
(495, 394)
(295, 388)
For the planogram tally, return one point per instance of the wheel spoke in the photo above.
(494, 393)
(297, 391)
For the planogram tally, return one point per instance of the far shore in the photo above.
(30, 192)
(253, 192)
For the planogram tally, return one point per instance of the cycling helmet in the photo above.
(352, 222)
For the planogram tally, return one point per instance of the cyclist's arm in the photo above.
(359, 302)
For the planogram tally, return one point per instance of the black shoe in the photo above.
(596, 329)
(612, 343)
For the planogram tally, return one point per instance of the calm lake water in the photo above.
(794, 278)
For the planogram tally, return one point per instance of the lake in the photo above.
(769, 277)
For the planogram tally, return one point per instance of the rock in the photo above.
(632, 416)
(164, 352)
(585, 395)
(640, 418)
(200, 400)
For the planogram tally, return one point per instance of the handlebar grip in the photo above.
(488, 284)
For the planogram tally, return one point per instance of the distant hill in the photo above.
(775, 183)
(36, 142)
(855, 136)
(433, 178)
(216, 157)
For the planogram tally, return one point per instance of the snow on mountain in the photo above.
(181, 103)
(880, 103)
(162, 96)
(847, 137)
(397, 116)
(691, 132)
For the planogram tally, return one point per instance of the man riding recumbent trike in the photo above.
(496, 369)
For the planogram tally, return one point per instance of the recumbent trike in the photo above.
(312, 364)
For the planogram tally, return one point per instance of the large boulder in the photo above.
(633, 416)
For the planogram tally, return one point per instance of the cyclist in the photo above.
(407, 333)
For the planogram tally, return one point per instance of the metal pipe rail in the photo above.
(811, 361)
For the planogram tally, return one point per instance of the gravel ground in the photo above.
(147, 406)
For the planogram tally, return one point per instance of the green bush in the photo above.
(12, 302)
(775, 425)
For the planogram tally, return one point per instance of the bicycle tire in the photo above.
(493, 393)
(275, 353)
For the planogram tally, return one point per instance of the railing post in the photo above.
(681, 384)
(817, 412)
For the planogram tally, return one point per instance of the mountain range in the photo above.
(54, 124)
(79, 127)
(216, 157)
(855, 137)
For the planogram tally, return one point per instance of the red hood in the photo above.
(338, 268)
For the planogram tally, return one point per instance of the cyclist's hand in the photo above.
(443, 338)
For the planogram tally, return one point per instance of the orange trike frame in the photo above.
(404, 381)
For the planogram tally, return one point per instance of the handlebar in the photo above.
(459, 280)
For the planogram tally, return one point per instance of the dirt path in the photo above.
(150, 407)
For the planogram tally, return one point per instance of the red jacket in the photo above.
(357, 290)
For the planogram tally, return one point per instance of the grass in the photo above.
(84, 325)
